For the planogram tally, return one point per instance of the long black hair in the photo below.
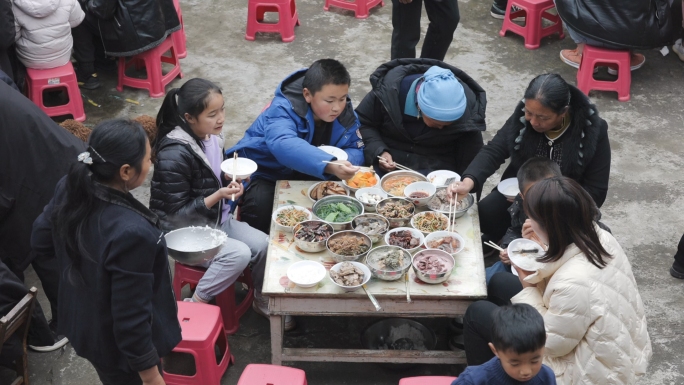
(551, 91)
(111, 145)
(192, 98)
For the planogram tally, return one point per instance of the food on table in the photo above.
(395, 185)
(324, 189)
(348, 275)
(305, 275)
(291, 216)
(388, 260)
(429, 222)
(448, 244)
(370, 226)
(419, 195)
(337, 212)
(404, 239)
(314, 232)
(440, 202)
(363, 179)
(348, 245)
(432, 263)
(396, 209)
(370, 199)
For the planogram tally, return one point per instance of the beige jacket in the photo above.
(594, 318)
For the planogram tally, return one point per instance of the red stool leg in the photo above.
(624, 79)
(75, 101)
(252, 20)
(122, 74)
(286, 22)
(361, 9)
(154, 76)
(533, 25)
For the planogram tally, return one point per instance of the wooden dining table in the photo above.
(449, 299)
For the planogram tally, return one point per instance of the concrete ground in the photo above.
(642, 208)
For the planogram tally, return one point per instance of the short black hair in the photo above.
(518, 327)
(536, 169)
(323, 72)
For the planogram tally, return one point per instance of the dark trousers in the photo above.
(48, 272)
(478, 319)
(118, 377)
(679, 255)
(444, 18)
(87, 45)
(494, 216)
(257, 204)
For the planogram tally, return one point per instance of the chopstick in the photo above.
(493, 245)
(342, 164)
(408, 292)
(235, 156)
(372, 298)
(397, 165)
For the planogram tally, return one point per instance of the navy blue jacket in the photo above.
(491, 372)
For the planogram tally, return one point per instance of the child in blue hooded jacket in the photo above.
(311, 108)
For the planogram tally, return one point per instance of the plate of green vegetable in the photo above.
(337, 210)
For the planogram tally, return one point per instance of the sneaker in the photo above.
(60, 340)
(636, 61)
(676, 271)
(678, 49)
(260, 306)
(88, 82)
(571, 57)
(500, 14)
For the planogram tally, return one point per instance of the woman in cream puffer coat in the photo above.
(43, 31)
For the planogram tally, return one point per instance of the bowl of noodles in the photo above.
(394, 183)
(429, 221)
(287, 217)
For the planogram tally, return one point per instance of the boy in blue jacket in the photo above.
(517, 341)
(311, 108)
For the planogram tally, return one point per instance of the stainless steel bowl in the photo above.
(389, 175)
(346, 258)
(434, 278)
(397, 222)
(375, 238)
(337, 226)
(387, 275)
(194, 245)
(310, 247)
(470, 199)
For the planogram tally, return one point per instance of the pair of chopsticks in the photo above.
(493, 245)
(342, 164)
(397, 165)
(235, 156)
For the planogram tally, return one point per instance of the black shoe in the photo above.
(456, 326)
(456, 343)
(60, 341)
(88, 82)
(499, 13)
(676, 271)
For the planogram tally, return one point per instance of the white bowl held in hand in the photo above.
(306, 273)
(509, 187)
(245, 167)
(336, 152)
(528, 260)
(440, 177)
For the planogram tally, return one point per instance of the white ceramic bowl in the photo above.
(525, 261)
(308, 192)
(509, 187)
(306, 273)
(434, 278)
(443, 217)
(439, 177)
(366, 275)
(414, 232)
(354, 189)
(336, 152)
(280, 227)
(425, 187)
(443, 234)
(370, 207)
(245, 167)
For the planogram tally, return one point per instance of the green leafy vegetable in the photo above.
(337, 212)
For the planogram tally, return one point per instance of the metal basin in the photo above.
(398, 334)
(194, 245)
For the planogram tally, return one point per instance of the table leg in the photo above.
(277, 329)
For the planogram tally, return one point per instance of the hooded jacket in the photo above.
(129, 27)
(43, 31)
(582, 152)
(595, 320)
(279, 140)
(381, 117)
(182, 179)
(7, 36)
(640, 24)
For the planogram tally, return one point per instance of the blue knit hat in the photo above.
(440, 96)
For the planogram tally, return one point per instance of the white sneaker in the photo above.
(260, 306)
(60, 341)
(678, 49)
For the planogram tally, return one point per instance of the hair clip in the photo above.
(85, 158)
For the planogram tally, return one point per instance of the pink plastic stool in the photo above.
(260, 374)
(38, 81)
(191, 275)
(592, 57)
(360, 7)
(287, 18)
(202, 329)
(152, 60)
(179, 40)
(427, 380)
(533, 11)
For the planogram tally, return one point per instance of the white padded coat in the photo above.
(595, 319)
(43, 31)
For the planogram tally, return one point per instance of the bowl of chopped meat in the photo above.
(388, 263)
(405, 237)
(448, 241)
(348, 246)
(433, 266)
(350, 275)
(398, 211)
(310, 236)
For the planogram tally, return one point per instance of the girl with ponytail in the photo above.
(116, 304)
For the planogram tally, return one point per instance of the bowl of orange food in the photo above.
(394, 183)
(362, 179)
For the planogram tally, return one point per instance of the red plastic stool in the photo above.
(152, 60)
(38, 81)
(190, 275)
(427, 380)
(202, 329)
(360, 7)
(534, 12)
(260, 374)
(592, 57)
(179, 40)
(287, 18)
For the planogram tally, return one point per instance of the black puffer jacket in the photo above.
(381, 117)
(639, 24)
(129, 27)
(182, 179)
(582, 152)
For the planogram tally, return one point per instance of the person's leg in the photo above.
(257, 204)
(502, 287)
(677, 269)
(498, 10)
(48, 273)
(444, 18)
(405, 28)
(256, 240)
(84, 53)
(223, 270)
(498, 267)
(477, 332)
(110, 376)
(494, 216)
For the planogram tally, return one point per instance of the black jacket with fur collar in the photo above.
(583, 151)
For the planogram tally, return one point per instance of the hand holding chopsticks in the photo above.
(397, 165)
